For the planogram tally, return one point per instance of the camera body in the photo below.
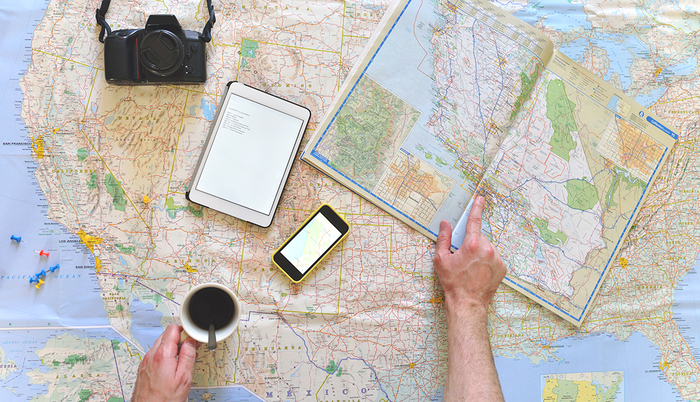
(160, 53)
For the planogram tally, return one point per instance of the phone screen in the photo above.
(249, 155)
(310, 243)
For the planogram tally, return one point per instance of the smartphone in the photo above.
(311, 243)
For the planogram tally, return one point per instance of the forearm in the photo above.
(471, 373)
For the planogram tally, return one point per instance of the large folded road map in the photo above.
(454, 100)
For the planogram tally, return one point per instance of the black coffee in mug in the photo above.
(211, 306)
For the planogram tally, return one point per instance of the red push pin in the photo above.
(44, 253)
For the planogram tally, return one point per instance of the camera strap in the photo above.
(100, 17)
(206, 32)
(101, 12)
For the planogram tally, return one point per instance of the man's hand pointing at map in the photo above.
(470, 278)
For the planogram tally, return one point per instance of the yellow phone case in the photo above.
(297, 231)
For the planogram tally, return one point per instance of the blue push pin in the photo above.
(34, 279)
(54, 268)
(16, 238)
(42, 274)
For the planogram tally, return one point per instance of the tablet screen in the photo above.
(249, 155)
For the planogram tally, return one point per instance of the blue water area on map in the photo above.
(295, 248)
(650, 98)
(371, 5)
(621, 49)
(229, 394)
(621, 52)
(145, 323)
(23, 211)
(439, 395)
(636, 357)
(559, 14)
(208, 109)
(686, 66)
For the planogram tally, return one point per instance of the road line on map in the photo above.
(340, 59)
(87, 102)
(192, 90)
(221, 387)
(677, 100)
(57, 327)
(229, 387)
(156, 292)
(177, 143)
(295, 47)
(63, 58)
(240, 263)
(340, 278)
(139, 348)
(119, 377)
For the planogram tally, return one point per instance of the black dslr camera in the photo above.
(160, 53)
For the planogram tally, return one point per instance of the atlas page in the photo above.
(567, 183)
(460, 98)
(424, 112)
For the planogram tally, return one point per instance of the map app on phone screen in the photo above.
(310, 243)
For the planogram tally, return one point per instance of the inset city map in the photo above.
(414, 187)
(629, 148)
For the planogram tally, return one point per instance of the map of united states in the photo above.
(113, 164)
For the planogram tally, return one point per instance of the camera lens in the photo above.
(161, 52)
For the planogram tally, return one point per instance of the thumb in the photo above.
(186, 357)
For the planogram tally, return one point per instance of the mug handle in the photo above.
(183, 337)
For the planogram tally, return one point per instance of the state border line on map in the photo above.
(76, 327)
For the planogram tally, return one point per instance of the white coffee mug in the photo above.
(200, 334)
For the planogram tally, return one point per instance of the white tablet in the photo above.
(249, 153)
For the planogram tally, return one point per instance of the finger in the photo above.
(187, 357)
(171, 337)
(474, 220)
(156, 344)
(444, 240)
